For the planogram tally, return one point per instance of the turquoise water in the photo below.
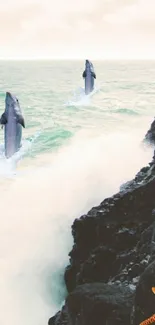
(126, 95)
(82, 150)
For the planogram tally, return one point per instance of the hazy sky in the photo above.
(77, 28)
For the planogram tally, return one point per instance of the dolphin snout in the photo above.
(10, 98)
(8, 94)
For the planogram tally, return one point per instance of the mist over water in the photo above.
(82, 155)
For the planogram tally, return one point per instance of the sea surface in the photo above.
(76, 151)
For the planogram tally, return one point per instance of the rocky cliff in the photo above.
(112, 262)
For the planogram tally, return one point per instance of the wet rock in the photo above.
(144, 306)
(120, 229)
(150, 135)
(112, 262)
(98, 304)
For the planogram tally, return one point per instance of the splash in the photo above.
(80, 98)
(8, 166)
(37, 210)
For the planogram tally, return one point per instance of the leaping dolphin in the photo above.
(89, 76)
(13, 121)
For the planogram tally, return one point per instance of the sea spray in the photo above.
(38, 208)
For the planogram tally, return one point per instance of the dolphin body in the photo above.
(89, 76)
(13, 121)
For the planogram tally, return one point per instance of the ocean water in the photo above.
(76, 151)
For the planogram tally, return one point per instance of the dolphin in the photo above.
(13, 121)
(89, 76)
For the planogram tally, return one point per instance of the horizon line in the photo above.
(73, 59)
(78, 58)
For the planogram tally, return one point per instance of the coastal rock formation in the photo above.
(112, 262)
(150, 135)
(94, 303)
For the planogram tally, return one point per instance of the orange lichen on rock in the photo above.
(153, 290)
(150, 320)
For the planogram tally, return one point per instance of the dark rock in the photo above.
(118, 225)
(97, 304)
(117, 249)
(61, 318)
(70, 277)
(98, 266)
(113, 257)
(144, 306)
(150, 135)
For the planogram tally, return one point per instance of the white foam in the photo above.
(8, 166)
(37, 210)
(80, 98)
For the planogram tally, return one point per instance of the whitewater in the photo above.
(76, 152)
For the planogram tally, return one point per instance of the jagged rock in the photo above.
(115, 227)
(114, 249)
(150, 135)
(144, 306)
(100, 304)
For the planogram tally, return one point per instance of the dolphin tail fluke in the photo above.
(84, 74)
(20, 120)
(3, 119)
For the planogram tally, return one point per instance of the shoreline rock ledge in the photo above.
(112, 262)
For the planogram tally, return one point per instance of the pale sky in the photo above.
(95, 29)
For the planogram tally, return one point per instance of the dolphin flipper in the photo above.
(20, 120)
(84, 74)
(94, 75)
(3, 119)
